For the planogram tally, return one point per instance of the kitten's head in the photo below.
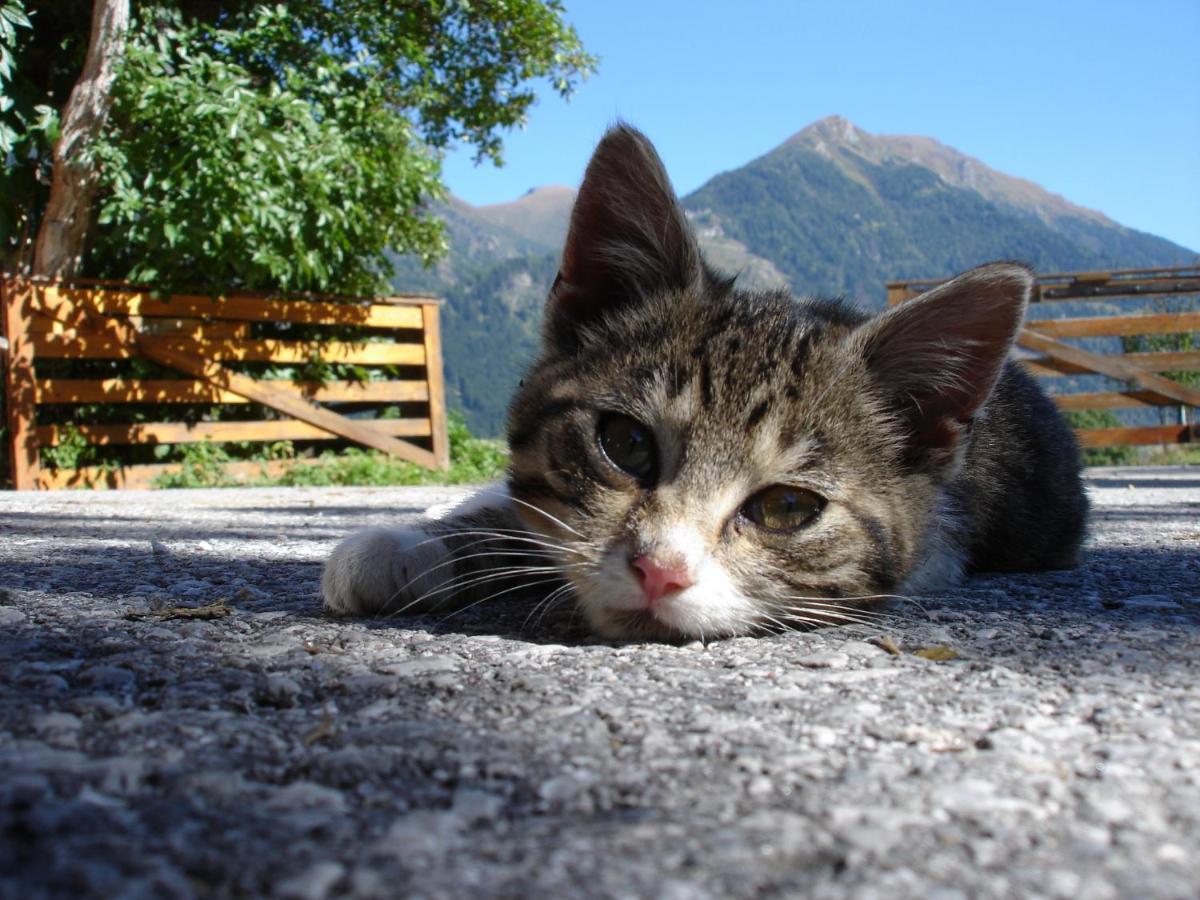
(715, 462)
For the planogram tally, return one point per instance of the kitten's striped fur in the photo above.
(933, 456)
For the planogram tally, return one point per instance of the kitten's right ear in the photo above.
(937, 357)
(628, 238)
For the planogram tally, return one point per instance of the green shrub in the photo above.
(70, 452)
(203, 465)
(1101, 456)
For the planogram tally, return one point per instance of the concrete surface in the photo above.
(274, 752)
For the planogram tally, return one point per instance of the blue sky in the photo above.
(1098, 101)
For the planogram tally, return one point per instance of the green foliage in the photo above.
(472, 461)
(12, 17)
(20, 122)
(462, 71)
(1179, 455)
(211, 181)
(1101, 456)
(71, 451)
(28, 127)
(74, 452)
(353, 467)
(1180, 342)
(202, 466)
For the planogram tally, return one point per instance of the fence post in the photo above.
(16, 297)
(436, 383)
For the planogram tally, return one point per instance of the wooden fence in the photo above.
(197, 345)
(1140, 371)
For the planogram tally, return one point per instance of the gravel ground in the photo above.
(272, 751)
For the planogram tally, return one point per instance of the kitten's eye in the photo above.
(628, 444)
(783, 508)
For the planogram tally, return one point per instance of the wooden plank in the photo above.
(437, 390)
(142, 477)
(88, 346)
(1043, 367)
(898, 293)
(1113, 326)
(287, 401)
(1110, 400)
(397, 312)
(194, 329)
(1164, 271)
(124, 284)
(1123, 289)
(217, 432)
(16, 304)
(1188, 360)
(1120, 282)
(1172, 273)
(133, 390)
(1139, 436)
(1113, 366)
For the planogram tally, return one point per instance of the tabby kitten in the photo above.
(690, 460)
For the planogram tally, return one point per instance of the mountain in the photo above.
(834, 210)
(540, 214)
(842, 211)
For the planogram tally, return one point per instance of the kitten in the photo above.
(692, 461)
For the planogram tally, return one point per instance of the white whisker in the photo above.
(546, 602)
(519, 587)
(454, 557)
(470, 579)
(543, 512)
(487, 535)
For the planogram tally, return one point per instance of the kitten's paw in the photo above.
(387, 570)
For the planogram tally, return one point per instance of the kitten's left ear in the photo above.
(628, 238)
(937, 357)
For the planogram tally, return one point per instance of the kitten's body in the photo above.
(901, 452)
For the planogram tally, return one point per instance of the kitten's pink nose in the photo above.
(660, 579)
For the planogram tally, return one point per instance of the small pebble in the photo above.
(826, 659)
(10, 616)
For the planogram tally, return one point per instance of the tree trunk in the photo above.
(63, 233)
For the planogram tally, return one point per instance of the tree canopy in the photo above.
(275, 146)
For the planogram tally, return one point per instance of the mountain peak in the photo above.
(544, 195)
(840, 140)
(834, 133)
(540, 214)
(834, 129)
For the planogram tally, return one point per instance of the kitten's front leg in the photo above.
(430, 565)
(387, 570)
